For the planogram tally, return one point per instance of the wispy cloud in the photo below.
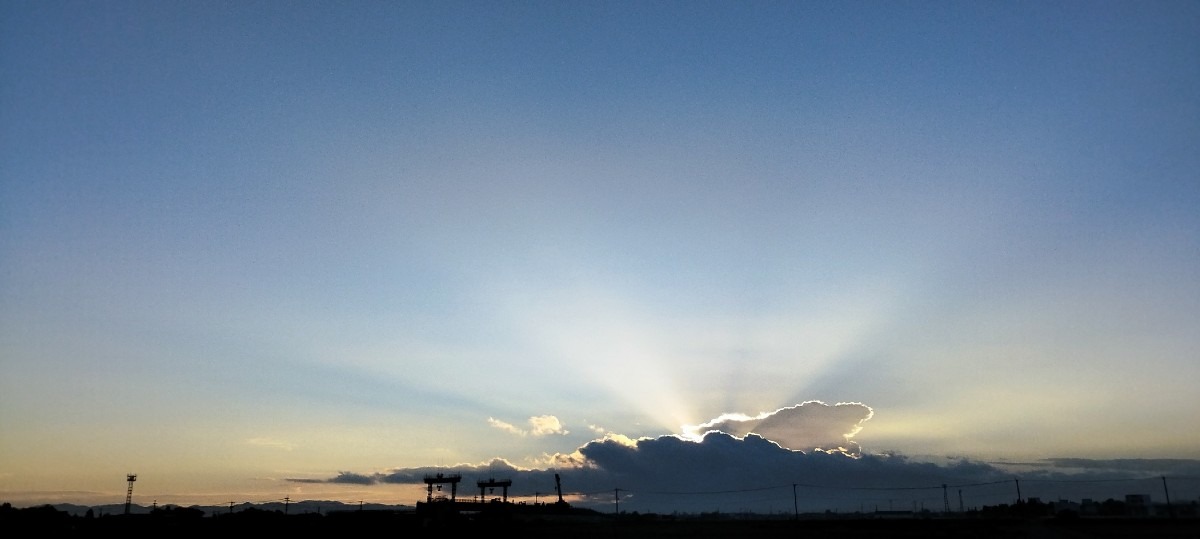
(542, 425)
(506, 427)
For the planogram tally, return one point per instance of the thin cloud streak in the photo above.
(272, 443)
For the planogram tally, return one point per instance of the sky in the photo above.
(317, 250)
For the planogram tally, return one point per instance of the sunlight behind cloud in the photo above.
(678, 370)
(407, 223)
(810, 425)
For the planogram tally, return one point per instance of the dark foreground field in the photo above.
(400, 525)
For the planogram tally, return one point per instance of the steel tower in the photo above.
(129, 493)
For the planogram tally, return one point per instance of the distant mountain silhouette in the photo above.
(292, 508)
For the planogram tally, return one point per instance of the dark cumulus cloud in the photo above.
(800, 457)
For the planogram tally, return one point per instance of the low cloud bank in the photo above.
(742, 463)
(1174, 467)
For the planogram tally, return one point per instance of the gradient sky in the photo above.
(246, 247)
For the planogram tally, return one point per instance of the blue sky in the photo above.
(249, 242)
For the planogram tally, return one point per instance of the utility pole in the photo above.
(1018, 483)
(617, 501)
(945, 500)
(1170, 510)
(960, 504)
(286, 501)
(795, 504)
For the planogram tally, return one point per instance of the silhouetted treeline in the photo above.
(174, 521)
(1035, 508)
(1023, 519)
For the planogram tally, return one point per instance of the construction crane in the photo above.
(438, 480)
(558, 487)
(492, 483)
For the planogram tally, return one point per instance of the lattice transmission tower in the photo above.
(129, 493)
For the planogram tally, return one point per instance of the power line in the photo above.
(943, 487)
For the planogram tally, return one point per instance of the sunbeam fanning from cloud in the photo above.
(249, 240)
(609, 344)
(673, 370)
